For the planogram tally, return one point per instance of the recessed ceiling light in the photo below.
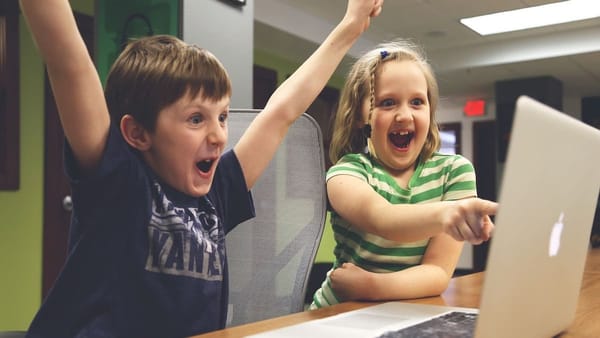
(536, 16)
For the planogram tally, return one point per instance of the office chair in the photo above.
(271, 255)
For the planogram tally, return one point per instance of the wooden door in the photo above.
(323, 110)
(56, 188)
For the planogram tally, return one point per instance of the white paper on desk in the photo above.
(370, 321)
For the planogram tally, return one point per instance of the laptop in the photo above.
(537, 254)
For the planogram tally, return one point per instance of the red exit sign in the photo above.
(474, 108)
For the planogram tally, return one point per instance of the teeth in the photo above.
(401, 138)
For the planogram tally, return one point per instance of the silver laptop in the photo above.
(537, 255)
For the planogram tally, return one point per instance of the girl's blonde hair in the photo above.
(347, 135)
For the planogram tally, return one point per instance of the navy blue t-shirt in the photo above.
(144, 260)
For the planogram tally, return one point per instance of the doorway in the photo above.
(57, 192)
(484, 161)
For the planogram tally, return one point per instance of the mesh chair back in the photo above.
(13, 334)
(270, 256)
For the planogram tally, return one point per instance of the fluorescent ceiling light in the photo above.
(536, 16)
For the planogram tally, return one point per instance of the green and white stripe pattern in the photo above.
(442, 177)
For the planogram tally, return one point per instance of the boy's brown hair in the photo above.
(154, 72)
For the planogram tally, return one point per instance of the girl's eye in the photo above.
(387, 103)
(417, 102)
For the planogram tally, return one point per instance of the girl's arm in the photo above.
(259, 143)
(354, 200)
(430, 278)
(73, 77)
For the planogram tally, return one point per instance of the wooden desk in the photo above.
(462, 291)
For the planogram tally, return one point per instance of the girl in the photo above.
(401, 211)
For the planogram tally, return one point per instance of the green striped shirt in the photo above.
(442, 177)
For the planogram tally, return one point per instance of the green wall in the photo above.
(21, 210)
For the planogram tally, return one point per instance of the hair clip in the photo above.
(384, 54)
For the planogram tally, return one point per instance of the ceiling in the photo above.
(466, 64)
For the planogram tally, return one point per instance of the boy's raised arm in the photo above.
(75, 83)
(259, 143)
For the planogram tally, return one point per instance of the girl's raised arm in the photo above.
(259, 143)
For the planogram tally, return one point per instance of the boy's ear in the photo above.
(134, 133)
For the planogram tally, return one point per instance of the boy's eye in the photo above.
(196, 119)
(223, 117)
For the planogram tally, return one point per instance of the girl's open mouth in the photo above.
(401, 139)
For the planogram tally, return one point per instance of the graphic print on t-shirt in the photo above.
(183, 241)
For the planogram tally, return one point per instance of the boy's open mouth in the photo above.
(205, 165)
(401, 139)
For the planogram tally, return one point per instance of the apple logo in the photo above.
(557, 229)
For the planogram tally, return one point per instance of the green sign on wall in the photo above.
(117, 21)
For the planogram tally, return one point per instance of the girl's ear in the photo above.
(134, 133)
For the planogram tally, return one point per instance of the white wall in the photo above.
(451, 110)
(228, 33)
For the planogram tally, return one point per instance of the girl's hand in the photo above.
(468, 220)
(361, 11)
(349, 282)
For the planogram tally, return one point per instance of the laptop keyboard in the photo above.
(452, 324)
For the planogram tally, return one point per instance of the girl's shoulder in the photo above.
(439, 160)
(355, 159)
(355, 164)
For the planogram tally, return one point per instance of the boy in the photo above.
(153, 193)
